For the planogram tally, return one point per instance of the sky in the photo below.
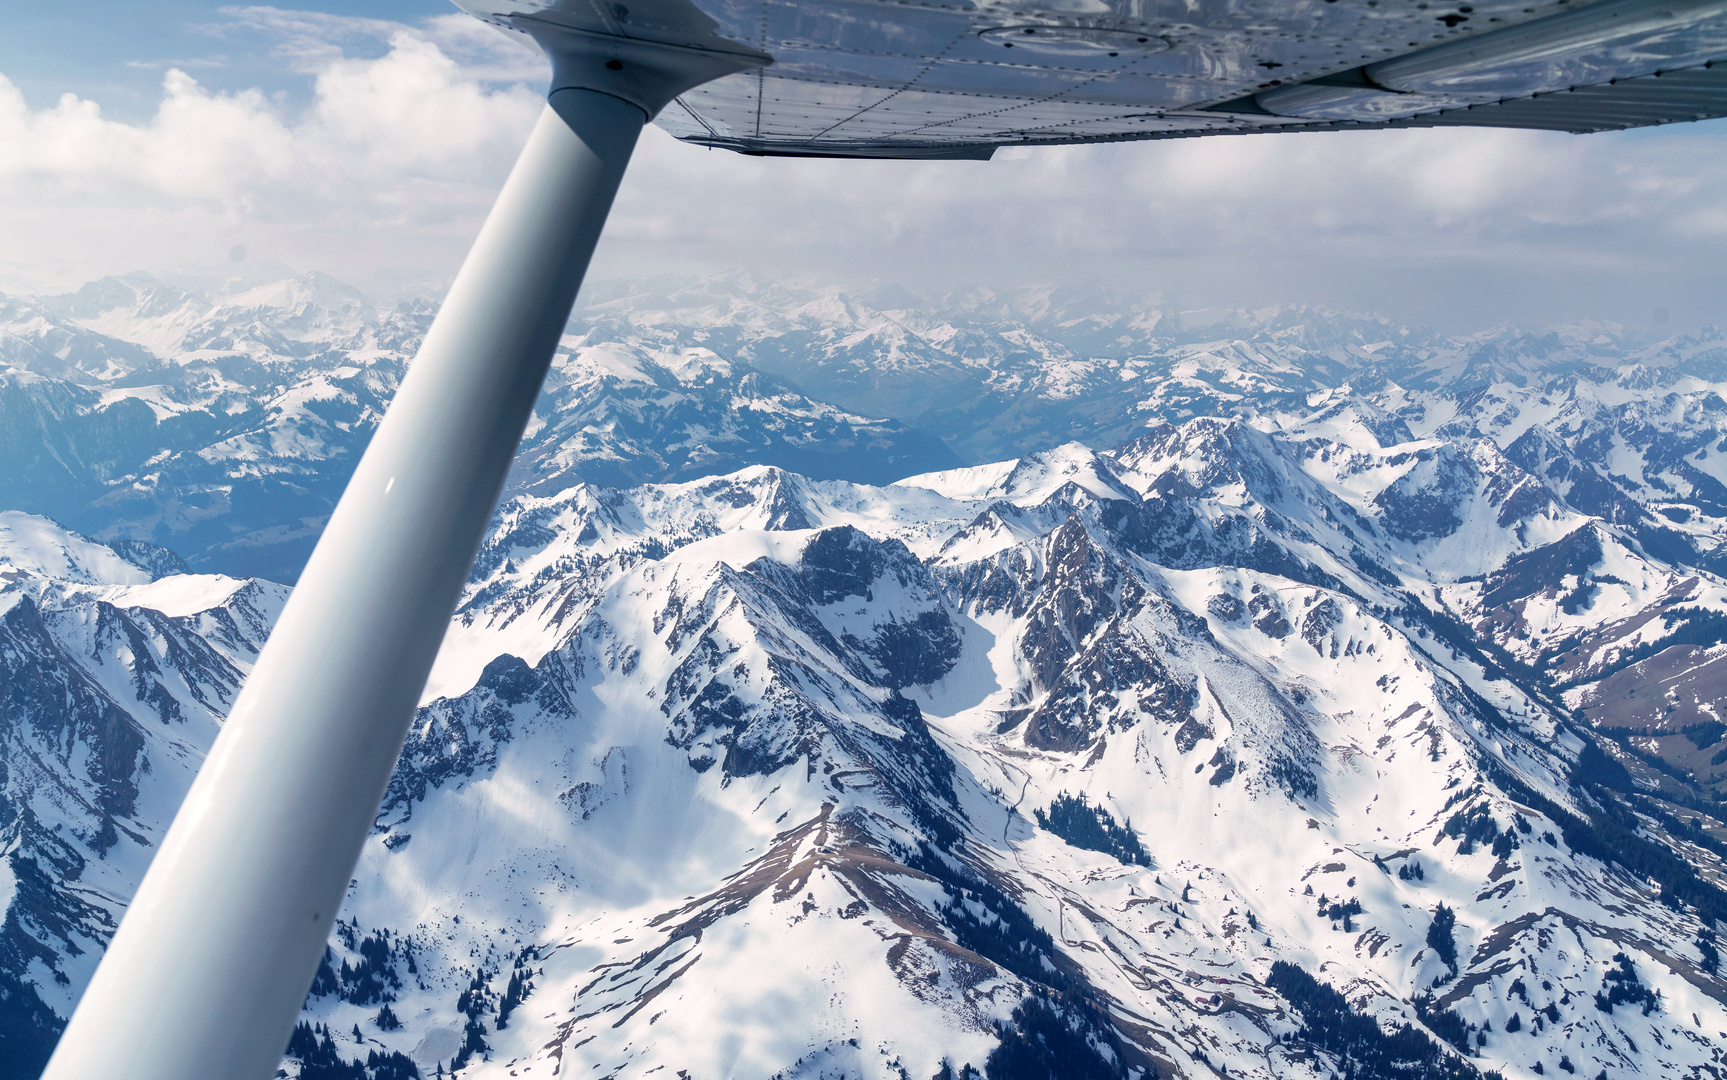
(368, 142)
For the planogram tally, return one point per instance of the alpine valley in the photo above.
(1031, 684)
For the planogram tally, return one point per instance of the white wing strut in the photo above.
(209, 969)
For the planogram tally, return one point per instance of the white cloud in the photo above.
(385, 173)
(1457, 226)
(409, 118)
(394, 159)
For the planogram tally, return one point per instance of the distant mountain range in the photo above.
(1266, 694)
(226, 428)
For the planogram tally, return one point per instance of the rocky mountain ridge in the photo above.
(1349, 715)
(779, 758)
(226, 427)
(114, 680)
(222, 420)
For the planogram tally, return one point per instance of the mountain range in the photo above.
(1271, 693)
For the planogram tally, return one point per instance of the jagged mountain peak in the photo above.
(794, 763)
(1104, 749)
(30, 544)
(607, 361)
(1031, 480)
(1199, 448)
(1356, 415)
(122, 300)
(112, 687)
(302, 293)
(1037, 477)
(1228, 461)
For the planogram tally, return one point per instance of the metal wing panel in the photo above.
(1587, 46)
(1668, 98)
(891, 77)
(884, 73)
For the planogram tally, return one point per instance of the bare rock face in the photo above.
(111, 688)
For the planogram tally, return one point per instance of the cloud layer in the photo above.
(394, 160)
(384, 172)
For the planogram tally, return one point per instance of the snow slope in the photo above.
(750, 772)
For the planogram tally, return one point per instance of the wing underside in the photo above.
(885, 78)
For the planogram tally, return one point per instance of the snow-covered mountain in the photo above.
(226, 428)
(114, 680)
(222, 420)
(1341, 702)
(1112, 757)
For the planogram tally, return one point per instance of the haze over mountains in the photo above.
(880, 685)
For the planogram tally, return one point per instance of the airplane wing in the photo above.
(951, 79)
